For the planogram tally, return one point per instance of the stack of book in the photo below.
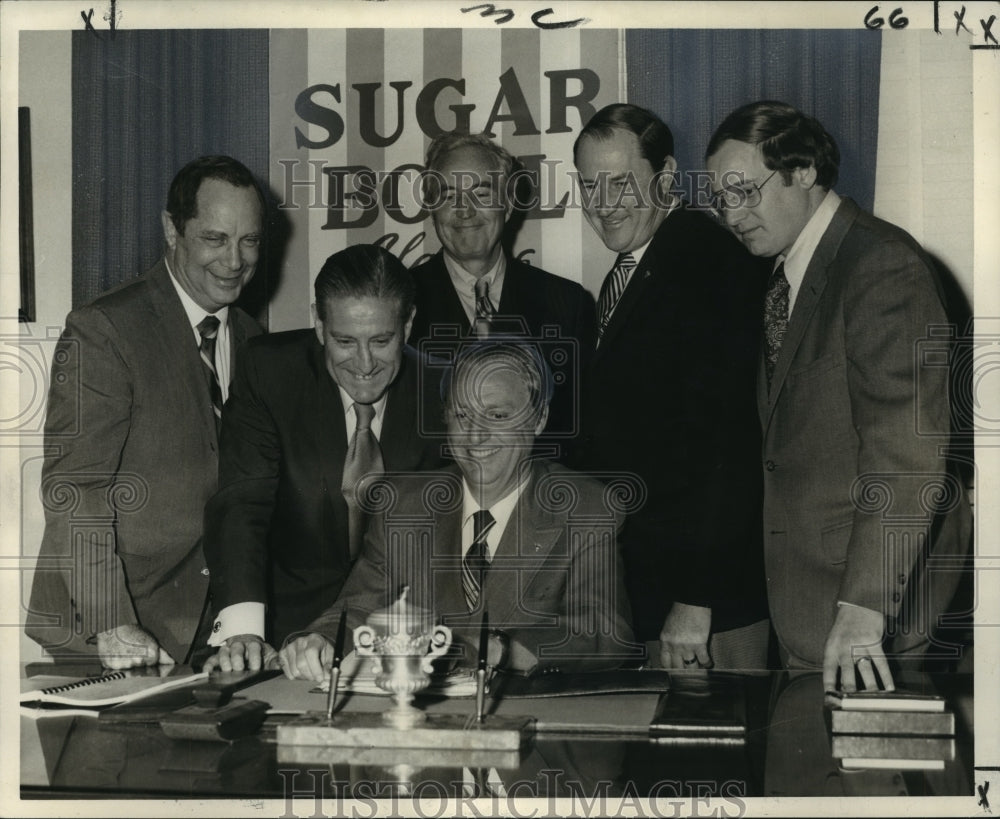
(892, 729)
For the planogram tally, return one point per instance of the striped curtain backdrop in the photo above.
(344, 100)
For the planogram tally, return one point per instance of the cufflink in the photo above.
(217, 627)
(205, 571)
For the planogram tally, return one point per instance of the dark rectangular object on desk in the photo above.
(703, 708)
(914, 723)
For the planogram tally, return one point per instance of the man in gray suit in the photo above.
(858, 502)
(527, 540)
(138, 382)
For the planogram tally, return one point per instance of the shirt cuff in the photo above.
(240, 618)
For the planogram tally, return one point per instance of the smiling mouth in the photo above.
(360, 377)
(483, 453)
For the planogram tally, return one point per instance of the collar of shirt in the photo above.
(195, 314)
(351, 418)
(465, 283)
(805, 245)
(501, 511)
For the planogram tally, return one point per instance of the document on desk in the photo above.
(43, 695)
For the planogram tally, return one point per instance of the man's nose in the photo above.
(234, 256)
(734, 216)
(366, 360)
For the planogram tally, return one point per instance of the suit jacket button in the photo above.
(770, 466)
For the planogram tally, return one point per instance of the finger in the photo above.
(211, 664)
(314, 665)
(236, 656)
(829, 671)
(163, 658)
(882, 666)
(253, 656)
(702, 655)
(866, 668)
(286, 659)
(271, 658)
(847, 680)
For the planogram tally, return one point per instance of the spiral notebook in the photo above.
(98, 692)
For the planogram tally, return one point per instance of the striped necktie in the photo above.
(775, 319)
(484, 308)
(208, 329)
(612, 289)
(364, 457)
(476, 561)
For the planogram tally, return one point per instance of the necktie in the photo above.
(612, 289)
(208, 329)
(775, 319)
(484, 307)
(364, 457)
(476, 560)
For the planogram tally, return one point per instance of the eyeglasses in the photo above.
(747, 195)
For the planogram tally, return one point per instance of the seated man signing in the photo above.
(528, 541)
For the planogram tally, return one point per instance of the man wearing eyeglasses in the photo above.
(854, 496)
(670, 397)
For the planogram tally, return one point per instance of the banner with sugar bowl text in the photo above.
(353, 111)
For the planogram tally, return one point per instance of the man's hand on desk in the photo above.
(129, 646)
(243, 652)
(307, 658)
(684, 637)
(856, 640)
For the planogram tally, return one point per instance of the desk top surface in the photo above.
(584, 746)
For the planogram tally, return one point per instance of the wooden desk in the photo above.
(787, 752)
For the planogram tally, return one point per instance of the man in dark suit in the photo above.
(138, 380)
(285, 527)
(670, 398)
(473, 287)
(526, 540)
(856, 495)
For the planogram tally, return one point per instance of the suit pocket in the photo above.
(835, 539)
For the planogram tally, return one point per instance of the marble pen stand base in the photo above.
(367, 730)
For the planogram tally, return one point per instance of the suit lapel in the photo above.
(400, 440)
(639, 282)
(327, 418)
(449, 599)
(448, 306)
(813, 284)
(176, 335)
(531, 533)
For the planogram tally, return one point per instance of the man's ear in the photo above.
(409, 324)
(317, 324)
(169, 230)
(665, 179)
(805, 178)
(543, 419)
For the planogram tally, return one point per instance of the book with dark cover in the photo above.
(710, 707)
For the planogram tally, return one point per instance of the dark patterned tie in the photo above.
(612, 289)
(775, 319)
(208, 329)
(476, 560)
(484, 308)
(364, 457)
